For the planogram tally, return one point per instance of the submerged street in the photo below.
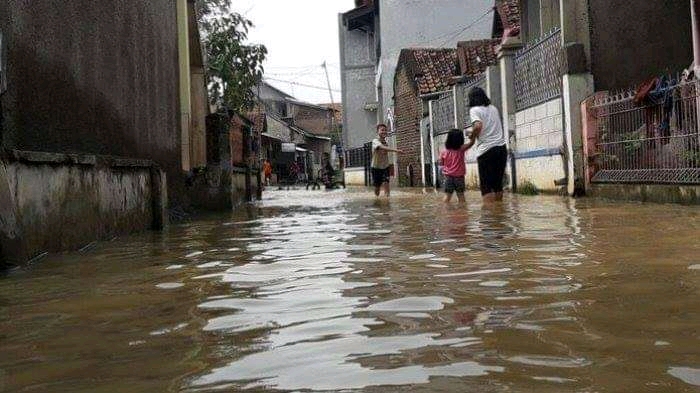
(337, 291)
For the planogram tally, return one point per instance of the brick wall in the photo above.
(408, 112)
(317, 121)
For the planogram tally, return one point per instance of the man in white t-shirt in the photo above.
(380, 161)
(487, 133)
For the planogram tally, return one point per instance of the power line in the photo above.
(300, 84)
(452, 34)
(469, 26)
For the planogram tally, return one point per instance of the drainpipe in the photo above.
(183, 48)
(433, 171)
(422, 152)
(695, 15)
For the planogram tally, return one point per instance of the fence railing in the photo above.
(443, 113)
(538, 71)
(649, 139)
(358, 157)
(463, 90)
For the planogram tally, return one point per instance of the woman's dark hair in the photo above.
(455, 139)
(478, 97)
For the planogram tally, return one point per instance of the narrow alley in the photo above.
(337, 291)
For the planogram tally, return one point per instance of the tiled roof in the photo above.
(433, 68)
(475, 56)
(509, 11)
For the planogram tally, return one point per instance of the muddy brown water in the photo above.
(335, 291)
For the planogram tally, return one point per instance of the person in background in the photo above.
(267, 171)
(380, 161)
(487, 133)
(453, 166)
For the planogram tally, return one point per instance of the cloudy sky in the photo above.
(299, 36)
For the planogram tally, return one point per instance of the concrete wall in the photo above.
(539, 140)
(355, 176)
(57, 202)
(425, 23)
(357, 67)
(657, 193)
(93, 77)
(312, 119)
(654, 36)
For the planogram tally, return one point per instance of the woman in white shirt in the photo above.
(487, 133)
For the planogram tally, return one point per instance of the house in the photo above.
(372, 36)
(420, 73)
(282, 118)
(545, 58)
(102, 115)
(567, 50)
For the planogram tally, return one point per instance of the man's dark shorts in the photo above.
(454, 183)
(380, 176)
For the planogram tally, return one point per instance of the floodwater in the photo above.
(334, 291)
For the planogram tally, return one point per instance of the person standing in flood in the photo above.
(487, 133)
(453, 166)
(380, 161)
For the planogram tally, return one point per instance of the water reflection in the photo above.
(339, 291)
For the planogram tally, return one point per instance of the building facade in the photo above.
(372, 36)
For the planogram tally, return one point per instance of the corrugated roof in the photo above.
(433, 68)
(475, 56)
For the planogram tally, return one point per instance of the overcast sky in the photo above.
(299, 36)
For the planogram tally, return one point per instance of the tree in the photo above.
(234, 68)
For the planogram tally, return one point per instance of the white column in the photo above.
(506, 59)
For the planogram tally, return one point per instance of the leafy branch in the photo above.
(234, 68)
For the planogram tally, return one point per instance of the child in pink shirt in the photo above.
(453, 166)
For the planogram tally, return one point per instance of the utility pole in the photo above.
(330, 93)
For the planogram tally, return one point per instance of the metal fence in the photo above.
(358, 157)
(538, 71)
(443, 114)
(463, 91)
(650, 139)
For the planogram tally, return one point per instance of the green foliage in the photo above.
(234, 68)
(528, 188)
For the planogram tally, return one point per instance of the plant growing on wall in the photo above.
(234, 67)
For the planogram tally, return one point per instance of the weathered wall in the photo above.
(93, 77)
(357, 63)
(315, 120)
(94, 197)
(355, 176)
(654, 36)
(657, 193)
(408, 112)
(539, 140)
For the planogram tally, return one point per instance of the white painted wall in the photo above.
(539, 133)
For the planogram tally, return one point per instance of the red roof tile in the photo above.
(433, 68)
(509, 11)
(475, 56)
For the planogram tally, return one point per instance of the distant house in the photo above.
(420, 73)
(284, 119)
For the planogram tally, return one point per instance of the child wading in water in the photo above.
(453, 167)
